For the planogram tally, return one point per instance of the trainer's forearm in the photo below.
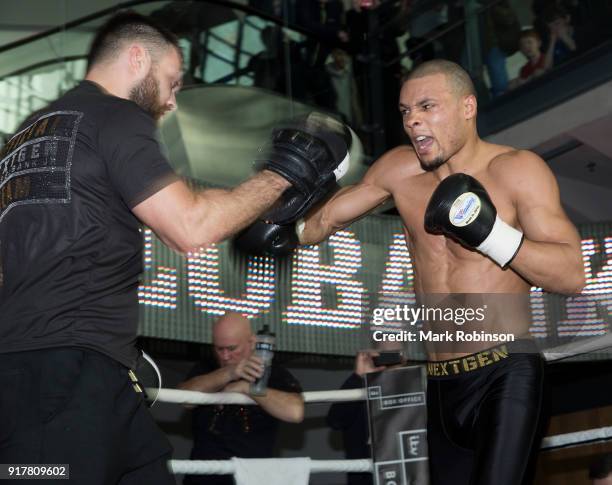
(218, 214)
(556, 267)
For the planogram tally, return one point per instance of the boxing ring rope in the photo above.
(215, 467)
(573, 349)
(177, 396)
(227, 467)
(577, 438)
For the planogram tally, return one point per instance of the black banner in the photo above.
(398, 426)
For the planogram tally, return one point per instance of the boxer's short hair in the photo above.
(129, 27)
(458, 79)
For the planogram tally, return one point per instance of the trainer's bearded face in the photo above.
(431, 117)
(146, 95)
(156, 93)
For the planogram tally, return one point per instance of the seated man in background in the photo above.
(224, 431)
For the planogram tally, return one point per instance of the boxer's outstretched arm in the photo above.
(349, 203)
(186, 220)
(550, 255)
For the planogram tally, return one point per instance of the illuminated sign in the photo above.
(319, 299)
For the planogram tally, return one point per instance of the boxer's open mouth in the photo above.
(423, 143)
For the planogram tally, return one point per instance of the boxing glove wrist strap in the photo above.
(502, 243)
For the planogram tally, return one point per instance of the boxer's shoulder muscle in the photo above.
(508, 161)
(395, 166)
(522, 170)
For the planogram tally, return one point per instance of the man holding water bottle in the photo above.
(223, 431)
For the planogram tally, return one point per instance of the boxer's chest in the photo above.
(411, 202)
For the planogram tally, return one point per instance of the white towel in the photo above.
(270, 471)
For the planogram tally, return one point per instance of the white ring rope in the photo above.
(577, 438)
(227, 467)
(584, 346)
(178, 396)
(194, 397)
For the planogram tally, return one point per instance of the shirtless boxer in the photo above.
(488, 414)
(482, 421)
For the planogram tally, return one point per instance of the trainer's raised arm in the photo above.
(306, 156)
(186, 220)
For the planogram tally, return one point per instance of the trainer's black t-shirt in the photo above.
(70, 247)
(223, 431)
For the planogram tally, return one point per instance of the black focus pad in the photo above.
(336, 135)
(309, 151)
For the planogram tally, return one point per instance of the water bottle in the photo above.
(264, 349)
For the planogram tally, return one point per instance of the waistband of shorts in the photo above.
(479, 360)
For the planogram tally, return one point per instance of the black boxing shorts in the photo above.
(483, 414)
(77, 407)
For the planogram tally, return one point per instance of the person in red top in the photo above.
(538, 63)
